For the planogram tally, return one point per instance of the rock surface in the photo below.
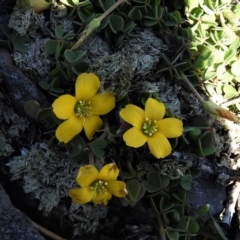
(14, 225)
(19, 88)
(204, 191)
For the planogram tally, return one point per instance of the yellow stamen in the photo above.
(99, 187)
(149, 127)
(83, 109)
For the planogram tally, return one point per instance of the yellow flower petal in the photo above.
(117, 188)
(102, 103)
(63, 107)
(134, 137)
(170, 127)
(91, 125)
(67, 130)
(81, 195)
(102, 198)
(154, 110)
(87, 85)
(133, 115)
(159, 145)
(86, 175)
(109, 172)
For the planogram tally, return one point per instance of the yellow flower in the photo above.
(149, 126)
(96, 186)
(82, 110)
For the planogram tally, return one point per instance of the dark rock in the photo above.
(204, 191)
(14, 225)
(6, 8)
(19, 88)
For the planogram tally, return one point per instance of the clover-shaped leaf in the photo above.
(76, 146)
(72, 56)
(135, 190)
(97, 147)
(154, 182)
(59, 32)
(19, 43)
(186, 181)
(47, 116)
(116, 23)
(50, 46)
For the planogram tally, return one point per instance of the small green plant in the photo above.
(19, 43)
(200, 137)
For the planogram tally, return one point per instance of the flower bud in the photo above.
(219, 111)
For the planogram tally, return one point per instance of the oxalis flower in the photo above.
(96, 186)
(149, 126)
(83, 110)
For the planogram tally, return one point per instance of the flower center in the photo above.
(149, 127)
(83, 109)
(99, 187)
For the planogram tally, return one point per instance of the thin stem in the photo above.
(115, 5)
(192, 88)
(159, 219)
(46, 232)
(94, 24)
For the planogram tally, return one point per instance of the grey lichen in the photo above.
(95, 47)
(170, 168)
(48, 173)
(5, 148)
(36, 63)
(58, 17)
(11, 122)
(21, 19)
(89, 224)
(115, 74)
(143, 52)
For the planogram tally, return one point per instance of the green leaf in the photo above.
(50, 46)
(73, 57)
(218, 228)
(194, 133)
(45, 85)
(208, 150)
(106, 4)
(80, 67)
(47, 116)
(135, 190)
(229, 55)
(135, 14)
(236, 68)
(186, 181)
(97, 147)
(85, 16)
(6, 30)
(32, 109)
(59, 32)
(116, 23)
(154, 182)
(76, 146)
(203, 210)
(193, 226)
(229, 91)
(19, 43)
(103, 24)
(203, 61)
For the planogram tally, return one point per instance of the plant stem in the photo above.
(159, 219)
(192, 88)
(94, 24)
(115, 5)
